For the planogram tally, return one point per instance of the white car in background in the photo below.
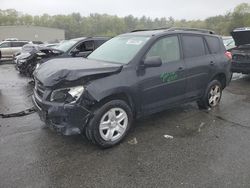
(9, 48)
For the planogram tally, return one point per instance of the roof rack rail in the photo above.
(191, 29)
(161, 28)
(177, 29)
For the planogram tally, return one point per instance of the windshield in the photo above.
(65, 46)
(120, 49)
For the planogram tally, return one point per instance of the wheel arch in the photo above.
(121, 95)
(221, 77)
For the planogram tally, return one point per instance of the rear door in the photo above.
(217, 49)
(199, 64)
(16, 46)
(165, 85)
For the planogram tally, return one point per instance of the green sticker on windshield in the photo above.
(168, 76)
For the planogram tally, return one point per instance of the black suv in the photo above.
(130, 76)
(241, 53)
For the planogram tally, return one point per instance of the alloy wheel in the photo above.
(214, 95)
(113, 124)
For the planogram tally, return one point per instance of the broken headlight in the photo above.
(67, 95)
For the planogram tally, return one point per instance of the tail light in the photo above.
(228, 55)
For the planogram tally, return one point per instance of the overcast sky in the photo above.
(179, 9)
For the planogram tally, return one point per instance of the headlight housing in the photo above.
(67, 95)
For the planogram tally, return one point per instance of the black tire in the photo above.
(92, 129)
(203, 103)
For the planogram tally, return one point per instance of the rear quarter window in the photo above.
(193, 46)
(213, 44)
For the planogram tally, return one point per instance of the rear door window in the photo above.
(213, 44)
(193, 46)
(166, 48)
(14, 44)
(18, 44)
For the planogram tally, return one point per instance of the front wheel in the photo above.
(212, 95)
(110, 123)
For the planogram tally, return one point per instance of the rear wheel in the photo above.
(110, 124)
(212, 95)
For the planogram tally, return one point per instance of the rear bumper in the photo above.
(67, 119)
(241, 67)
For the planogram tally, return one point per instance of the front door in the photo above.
(163, 86)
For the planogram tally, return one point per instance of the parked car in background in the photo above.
(241, 53)
(27, 60)
(37, 42)
(228, 41)
(79, 47)
(26, 48)
(130, 76)
(9, 48)
(11, 39)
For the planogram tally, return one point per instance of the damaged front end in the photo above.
(27, 64)
(61, 94)
(66, 117)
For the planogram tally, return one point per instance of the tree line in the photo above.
(76, 25)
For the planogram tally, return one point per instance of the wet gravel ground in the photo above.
(207, 148)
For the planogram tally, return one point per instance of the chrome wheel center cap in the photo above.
(113, 124)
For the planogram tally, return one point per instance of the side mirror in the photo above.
(154, 61)
(74, 52)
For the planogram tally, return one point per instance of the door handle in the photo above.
(212, 63)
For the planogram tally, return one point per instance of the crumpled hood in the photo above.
(241, 37)
(70, 69)
(23, 55)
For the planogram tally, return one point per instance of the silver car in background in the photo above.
(9, 48)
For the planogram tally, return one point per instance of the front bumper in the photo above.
(67, 119)
(241, 67)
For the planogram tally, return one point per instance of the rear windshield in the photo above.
(120, 49)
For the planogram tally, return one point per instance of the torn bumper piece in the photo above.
(67, 119)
